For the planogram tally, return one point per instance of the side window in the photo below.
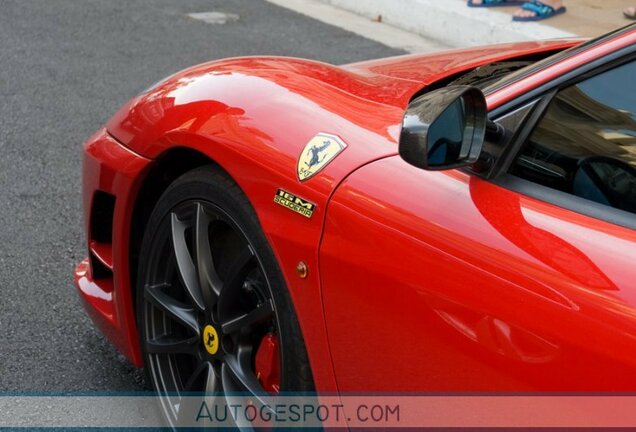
(585, 144)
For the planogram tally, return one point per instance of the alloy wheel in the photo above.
(209, 323)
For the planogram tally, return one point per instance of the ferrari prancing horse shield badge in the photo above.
(318, 152)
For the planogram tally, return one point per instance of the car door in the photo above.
(523, 279)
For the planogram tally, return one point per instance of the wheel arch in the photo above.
(258, 181)
(169, 166)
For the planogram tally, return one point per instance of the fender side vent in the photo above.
(102, 217)
(101, 236)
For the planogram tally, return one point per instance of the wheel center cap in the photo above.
(210, 339)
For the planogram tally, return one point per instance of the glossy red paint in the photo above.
(257, 141)
(471, 287)
(253, 116)
(429, 68)
(110, 167)
(257, 133)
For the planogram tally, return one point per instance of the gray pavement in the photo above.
(65, 67)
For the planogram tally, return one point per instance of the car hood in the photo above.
(348, 93)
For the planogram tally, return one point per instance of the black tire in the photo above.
(207, 197)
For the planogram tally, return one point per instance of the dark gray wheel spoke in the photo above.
(237, 376)
(211, 388)
(187, 270)
(198, 380)
(231, 399)
(262, 313)
(178, 311)
(242, 375)
(234, 395)
(168, 344)
(208, 277)
(211, 382)
(202, 380)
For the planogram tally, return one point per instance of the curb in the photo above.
(383, 33)
(450, 21)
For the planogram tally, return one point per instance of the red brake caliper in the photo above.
(268, 363)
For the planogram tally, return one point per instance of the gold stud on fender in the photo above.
(302, 270)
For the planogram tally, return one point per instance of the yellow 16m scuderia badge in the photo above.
(318, 152)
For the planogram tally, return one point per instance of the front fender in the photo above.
(254, 120)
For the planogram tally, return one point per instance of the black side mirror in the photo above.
(444, 129)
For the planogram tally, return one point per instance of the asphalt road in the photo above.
(65, 67)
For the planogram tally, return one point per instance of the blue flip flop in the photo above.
(542, 11)
(495, 3)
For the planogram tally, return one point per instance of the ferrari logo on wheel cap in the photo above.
(210, 339)
(318, 152)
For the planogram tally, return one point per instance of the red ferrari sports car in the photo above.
(457, 221)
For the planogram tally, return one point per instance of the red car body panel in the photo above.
(253, 116)
(471, 287)
(110, 167)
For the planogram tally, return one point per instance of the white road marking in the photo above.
(214, 17)
(373, 30)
